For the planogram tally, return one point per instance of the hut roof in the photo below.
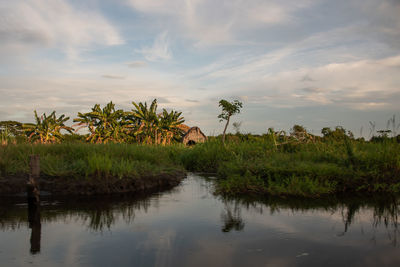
(195, 135)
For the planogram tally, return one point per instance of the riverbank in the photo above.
(304, 169)
(252, 167)
(84, 169)
(95, 186)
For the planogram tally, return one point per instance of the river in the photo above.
(190, 226)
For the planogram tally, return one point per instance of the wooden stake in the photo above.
(32, 186)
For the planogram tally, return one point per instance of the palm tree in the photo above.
(47, 128)
(104, 125)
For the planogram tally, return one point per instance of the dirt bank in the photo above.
(93, 185)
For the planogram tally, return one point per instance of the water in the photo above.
(189, 226)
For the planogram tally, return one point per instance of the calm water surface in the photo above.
(189, 226)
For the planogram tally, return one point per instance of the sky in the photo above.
(317, 63)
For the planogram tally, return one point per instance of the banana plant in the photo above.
(148, 121)
(47, 129)
(105, 125)
(168, 125)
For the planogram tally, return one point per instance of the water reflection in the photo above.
(384, 210)
(96, 213)
(190, 226)
(35, 226)
(231, 216)
(101, 213)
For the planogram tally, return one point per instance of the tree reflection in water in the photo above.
(231, 217)
(99, 214)
(385, 210)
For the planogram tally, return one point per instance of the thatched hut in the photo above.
(193, 136)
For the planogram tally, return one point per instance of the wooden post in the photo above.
(32, 187)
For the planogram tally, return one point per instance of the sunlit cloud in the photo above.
(56, 24)
(159, 50)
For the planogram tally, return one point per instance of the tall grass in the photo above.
(312, 169)
(88, 160)
(251, 166)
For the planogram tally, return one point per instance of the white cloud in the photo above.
(136, 64)
(365, 84)
(218, 22)
(52, 24)
(159, 50)
(112, 76)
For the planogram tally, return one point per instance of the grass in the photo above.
(251, 166)
(89, 160)
(310, 170)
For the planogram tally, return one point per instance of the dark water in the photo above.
(188, 226)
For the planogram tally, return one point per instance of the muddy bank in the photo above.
(93, 185)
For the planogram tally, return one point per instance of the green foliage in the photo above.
(337, 134)
(264, 164)
(228, 109)
(169, 125)
(309, 169)
(147, 121)
(99, 165)
(77, 160)
(205, 157)
(47, 128)
(105, 125)
(11, 128)
(246, 184)
(158, 128)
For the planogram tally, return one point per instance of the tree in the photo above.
(147, 120)
(168, 125)
(161, 128)
(228, 109)
(9, 130)
(47, 128)
(104, 124)
(14, 128)
(339, 133)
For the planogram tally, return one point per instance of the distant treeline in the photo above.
(144, 124)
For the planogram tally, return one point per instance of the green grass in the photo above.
(253, 166)
(89, 160)
(310, 170)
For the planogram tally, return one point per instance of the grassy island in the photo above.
(310, 170)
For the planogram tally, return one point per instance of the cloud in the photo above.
(211, 22)
(159, 50)
(307, 78)
(311, 90)
(355, 85)
(136, 64)
(160, 99)
(117, 77)
(55, 24)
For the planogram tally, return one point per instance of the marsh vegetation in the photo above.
(126, 145)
